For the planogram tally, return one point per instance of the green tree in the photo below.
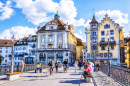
(1, 59)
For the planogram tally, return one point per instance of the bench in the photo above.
(12, 76)
(88, 78)
(37, 70)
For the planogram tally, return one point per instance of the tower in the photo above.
(94, 34)
(56, 16)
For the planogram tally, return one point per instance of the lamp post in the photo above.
(12, 61)
(108, 37)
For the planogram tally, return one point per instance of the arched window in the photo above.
(50, 45)
(50, 55)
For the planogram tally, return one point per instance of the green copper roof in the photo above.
(57, 14)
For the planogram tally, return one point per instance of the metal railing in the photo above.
(17, 68)
(119, 74)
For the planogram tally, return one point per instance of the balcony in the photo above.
(112, 42)
(52, 49)
(103, 42)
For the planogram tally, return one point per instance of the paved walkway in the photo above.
(40, 79)
(58, 79)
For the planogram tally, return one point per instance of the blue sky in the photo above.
(21, 17)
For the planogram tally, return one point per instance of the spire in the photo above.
(93, 19)
(56, 16)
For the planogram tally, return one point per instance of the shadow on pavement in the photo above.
(69, 81)
(3, 79)
(75, 74)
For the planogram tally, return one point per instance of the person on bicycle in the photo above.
(50, 64)
(65, 64)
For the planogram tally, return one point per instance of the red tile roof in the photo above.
(6, 42)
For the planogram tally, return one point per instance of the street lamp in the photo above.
(13, 40)
(108, 37)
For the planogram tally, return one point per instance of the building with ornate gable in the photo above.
(97, 41)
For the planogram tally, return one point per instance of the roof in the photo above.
(60, 25)
(79, 42)
(93, 20)
(6, 42)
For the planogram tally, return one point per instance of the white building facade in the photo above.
(55, 41)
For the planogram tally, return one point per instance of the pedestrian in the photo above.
(75, 66)
(22, 65)
(80, 64)
(56, 66)
(91, 66)
(97, 65)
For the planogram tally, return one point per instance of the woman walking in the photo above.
(75, 66)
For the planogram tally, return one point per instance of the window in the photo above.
(103, 39)
(24, 42)
(59, 45)
(6, 47)
(6, 56)
(24, 48)
(34, 38)
(50, 45)
(30, 39)
(59, 33)
(42, 34)
(42, 46)
(6, 51)
(112, 32)
(30, 45)
(50, 39)
(59, 39)
(112, 47)
(50, 27)
(106, 26)
(103, 48)
(43, 40)
(9, 58)
(16, 49)
(111, 38)
(102, 33)
(0, 47)
(5, 60)
(50, 34)
(0, 51)
(29, 50)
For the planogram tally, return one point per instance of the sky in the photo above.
(22, 17)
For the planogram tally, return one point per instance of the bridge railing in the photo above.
(17, 68)
(119, 74)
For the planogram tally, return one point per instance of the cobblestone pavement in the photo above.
(40, 79)
(103, 80)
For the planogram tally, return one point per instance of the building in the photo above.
(97, 40)
(128, 53)
(24, 48)
(125, 48)
(56, 41)
(84, 51)
(79, 48)
(6, 50)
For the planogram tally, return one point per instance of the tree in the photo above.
(1, 59)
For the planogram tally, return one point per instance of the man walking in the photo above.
(22, 65)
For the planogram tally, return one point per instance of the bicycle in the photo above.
(65, 68)
(51, 70)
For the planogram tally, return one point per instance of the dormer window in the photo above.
(24, 42)
(34, 38)
(50, 27)
(30, 39)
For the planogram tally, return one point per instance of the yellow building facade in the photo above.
(79, 48)
(97, 40)
(128, 53)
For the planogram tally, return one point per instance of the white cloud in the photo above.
(87, 23)
(80, 36)
(80, 31)
(126, 34)
(116, 15)
(37, 11)
(18, 31)
(6, 10)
